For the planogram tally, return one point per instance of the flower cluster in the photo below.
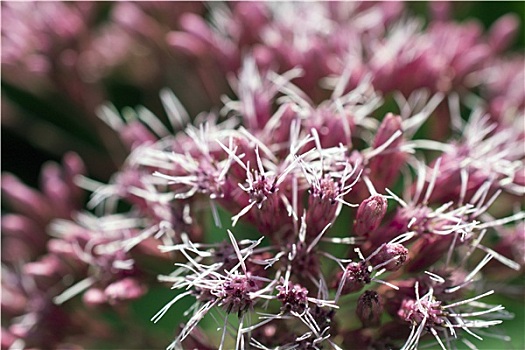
(358, 187)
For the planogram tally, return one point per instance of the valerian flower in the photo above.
(305, 210)
(428, 314)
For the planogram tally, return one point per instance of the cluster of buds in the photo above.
(302, 212)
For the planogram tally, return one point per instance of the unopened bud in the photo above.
(186, 43)
(135, 134)
(389, 126)
(387, 157)
(124, 289)
(195, 25)
(391, 257)
(427, 250)
(7, 339)
(47, 266)
(94, 297)
(354, 278)
(369, 309)
(25, 200)
(503, 32)
(369, 215)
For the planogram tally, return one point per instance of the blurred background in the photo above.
(49, 108)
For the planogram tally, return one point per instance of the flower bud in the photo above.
(125, 289)
(354, 278)
(513, 244)
(427, 250)
(25, 200)
(134, 134)
(133, 18)
(7, 339)
(196, 26)
(369, 309)
(55, 189)
(369, 215)
(389, 126)
(13, 301)
(74, 166)
(22, 238)
(294, 297)
(391, 257)
(503, 32)
(186, 43)
(94, 297)
(48, 266)
(385, 166)
(440, 10)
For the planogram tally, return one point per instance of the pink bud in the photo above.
(67, 252)
(23, 228)
(94, 297)
(13, 302)
(19, 330)
(264, 57)
(427, 250)
(384, 166)
(195, 25)
(390, 124)
(7, 339)
(73, 167)
(369, 214)
(252, 13)
(391, 257)
(440, 10)
(369, 309)
(503, 32)
(186, 43)
(25, 200)
(471, 60)
(252, 18)
(135, 134)
(22, 238)
(392, 10)
(133, 18)
(512, 244)
(54, 188)
(125, 289)
(61, 247)
(355, 276)
(47, 266)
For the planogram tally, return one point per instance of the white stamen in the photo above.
(75, 289)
